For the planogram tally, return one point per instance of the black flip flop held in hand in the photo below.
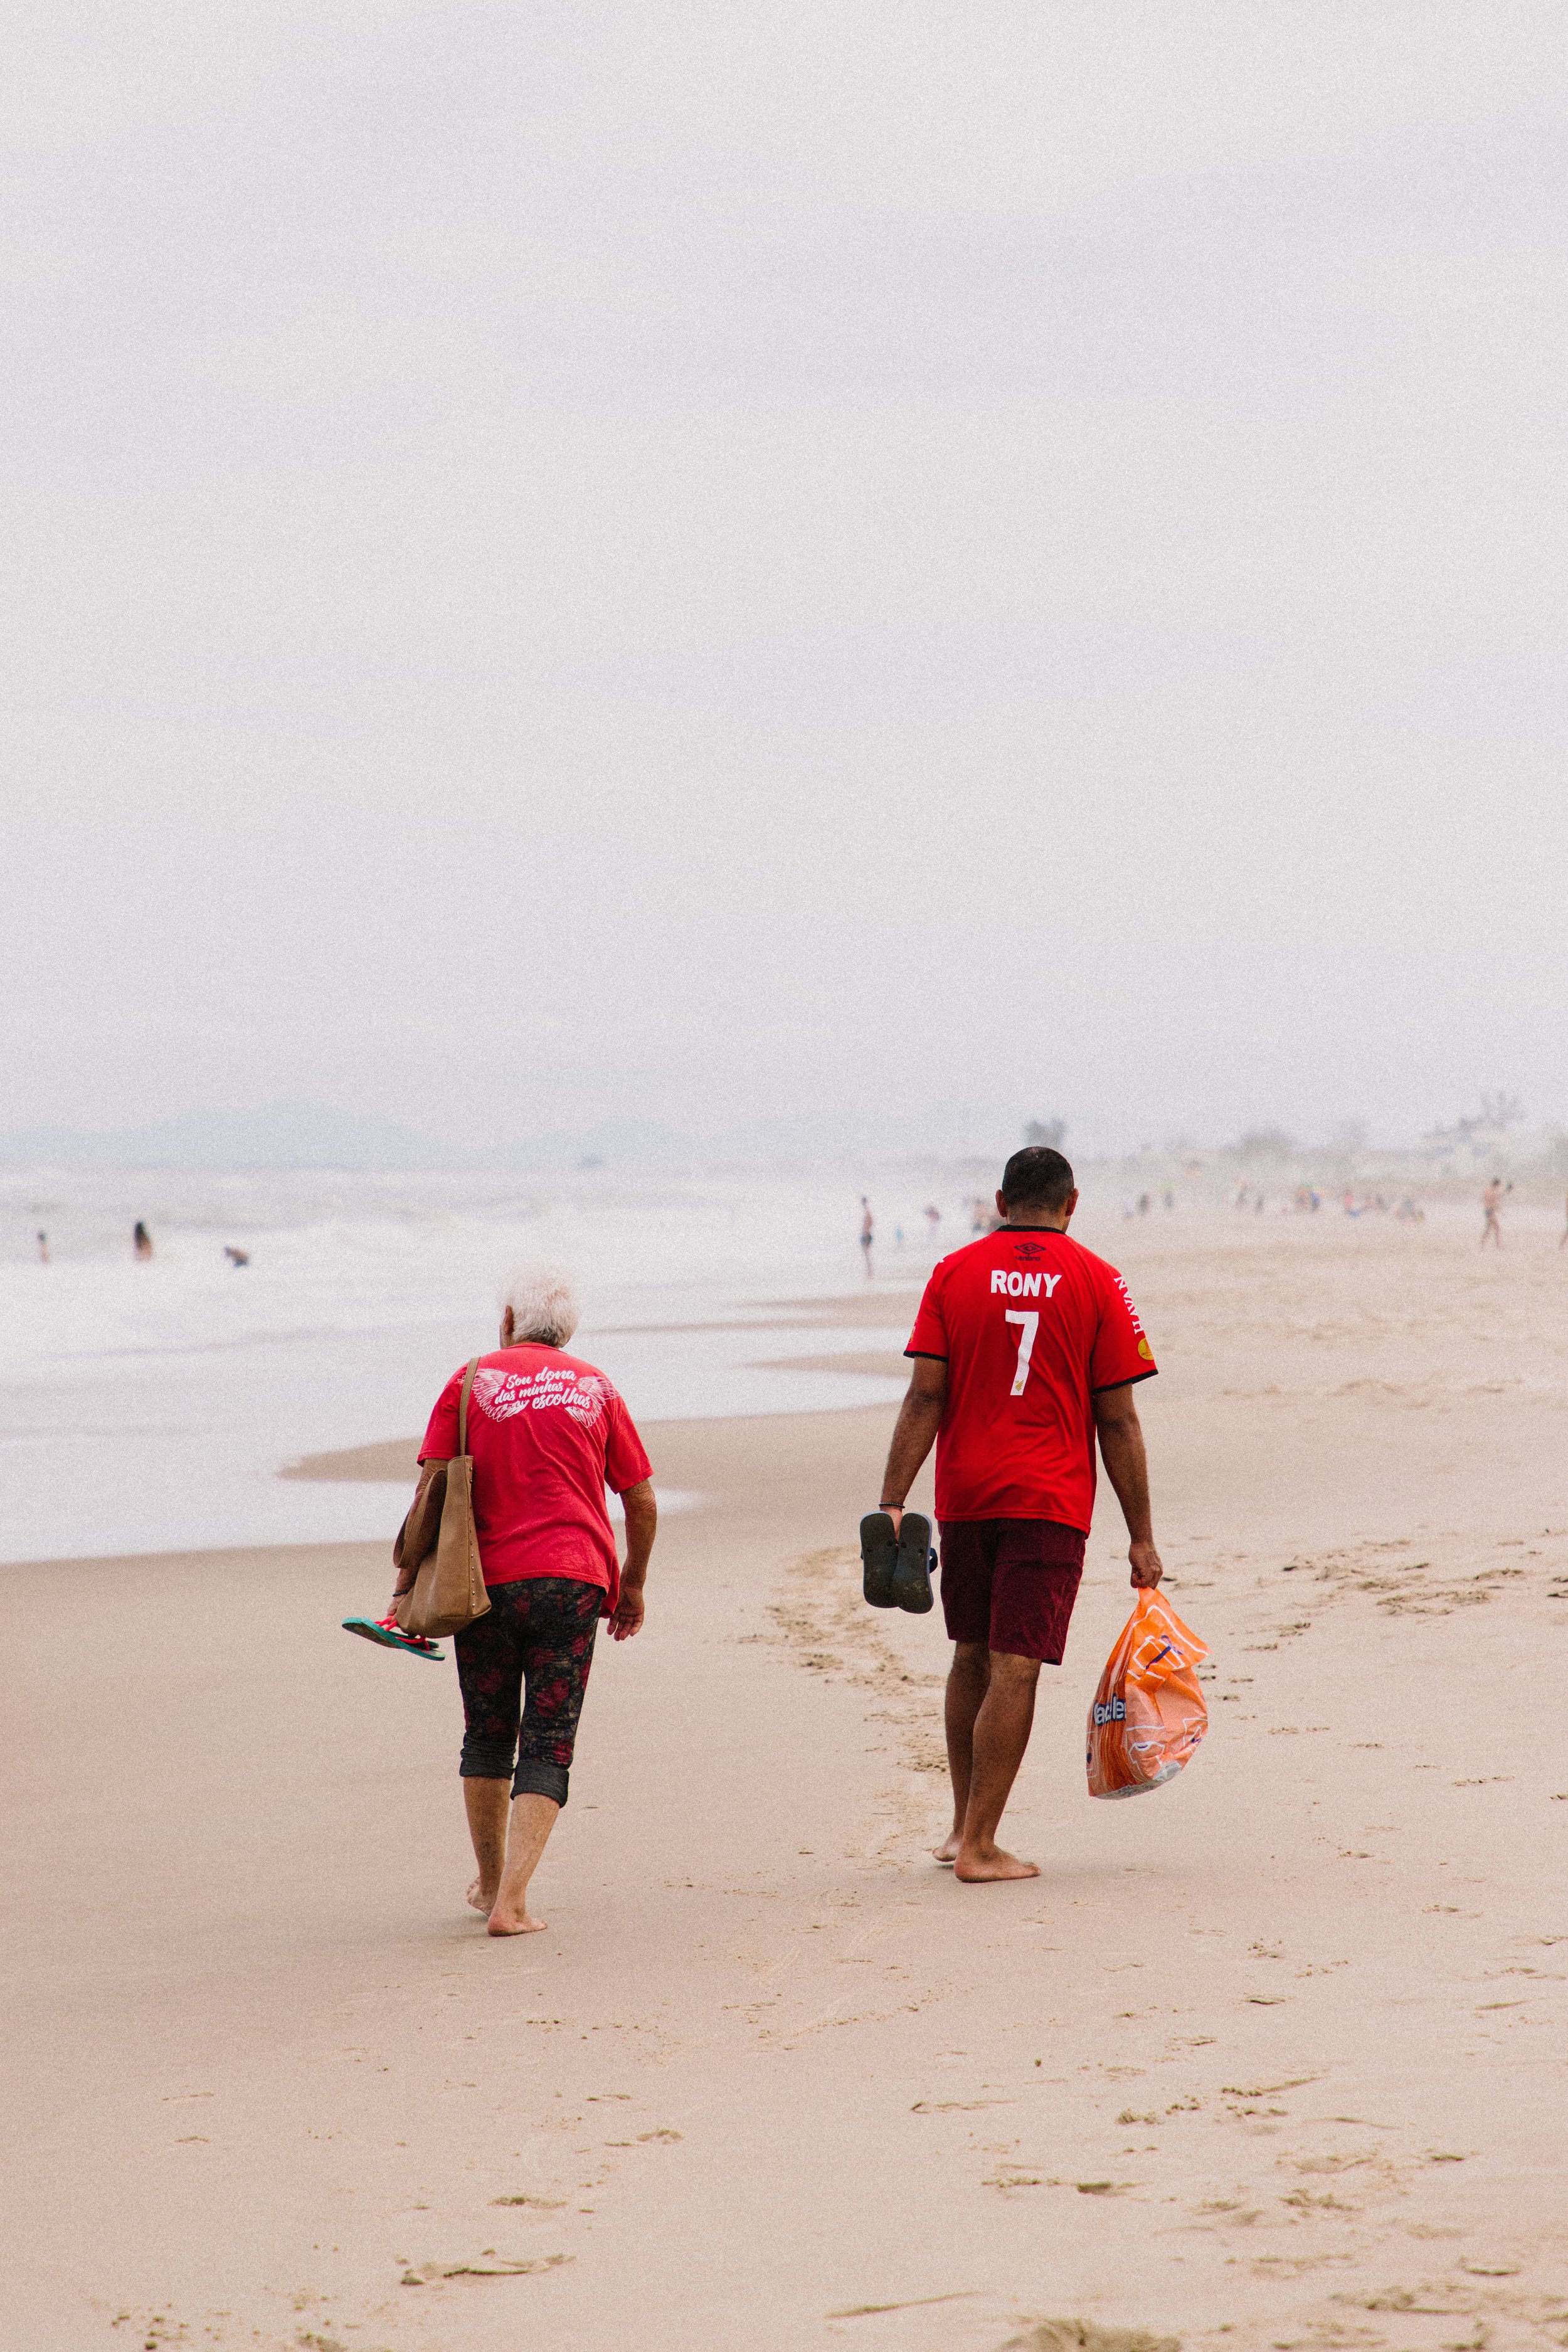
(913, 1564)
(879, 1559)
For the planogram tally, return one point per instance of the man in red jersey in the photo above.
(1026, 1347)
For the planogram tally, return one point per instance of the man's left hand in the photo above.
(1147, 1569)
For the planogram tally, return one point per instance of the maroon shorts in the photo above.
(1011, 1585)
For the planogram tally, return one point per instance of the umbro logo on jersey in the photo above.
(1021, 1285)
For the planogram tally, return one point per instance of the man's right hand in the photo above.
(1147, 1569)
(895, 1512)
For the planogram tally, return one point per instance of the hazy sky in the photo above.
(836, 575)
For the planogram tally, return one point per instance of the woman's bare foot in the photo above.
(976, 1867)
(948, 1850)
(533, 1818)
(504, 1924)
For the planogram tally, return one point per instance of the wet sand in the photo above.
(1274, 2056)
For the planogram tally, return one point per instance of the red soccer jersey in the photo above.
(1030, 1326)
(547, 1433)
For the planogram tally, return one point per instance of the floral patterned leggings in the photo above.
(536, 1638)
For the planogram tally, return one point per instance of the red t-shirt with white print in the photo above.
(1030, 1325)
(547, 1433)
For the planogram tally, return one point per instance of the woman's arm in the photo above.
(418, 1533)
(642, 1525)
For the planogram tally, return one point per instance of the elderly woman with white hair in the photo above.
(548, 1433)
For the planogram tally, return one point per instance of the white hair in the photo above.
(543, 1303)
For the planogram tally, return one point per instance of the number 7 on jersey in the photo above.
(1031, 1324)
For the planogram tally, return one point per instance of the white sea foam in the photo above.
(150, 1407)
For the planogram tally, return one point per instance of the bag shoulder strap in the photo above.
(463, 1405)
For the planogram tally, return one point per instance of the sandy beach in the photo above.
(1272, 2057)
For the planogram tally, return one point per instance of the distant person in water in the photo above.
(236, 1256)
(1026, 1348)
(868, 1232)
(141, 1241)
(547, 1433)
(43, 1247)
(1492, 1200)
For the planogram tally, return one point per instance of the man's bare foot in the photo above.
(479, 1899)
(976, 1869)
(517, 1925)
(948, 1850)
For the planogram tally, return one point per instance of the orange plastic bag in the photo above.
(1149, 1713)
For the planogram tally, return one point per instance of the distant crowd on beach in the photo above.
(1407, 1210)
(141, 1246)
(1307, 1200)
(977, 1218)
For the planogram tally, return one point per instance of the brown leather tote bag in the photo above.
(448, 1590)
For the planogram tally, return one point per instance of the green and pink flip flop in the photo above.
(390, 1634)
